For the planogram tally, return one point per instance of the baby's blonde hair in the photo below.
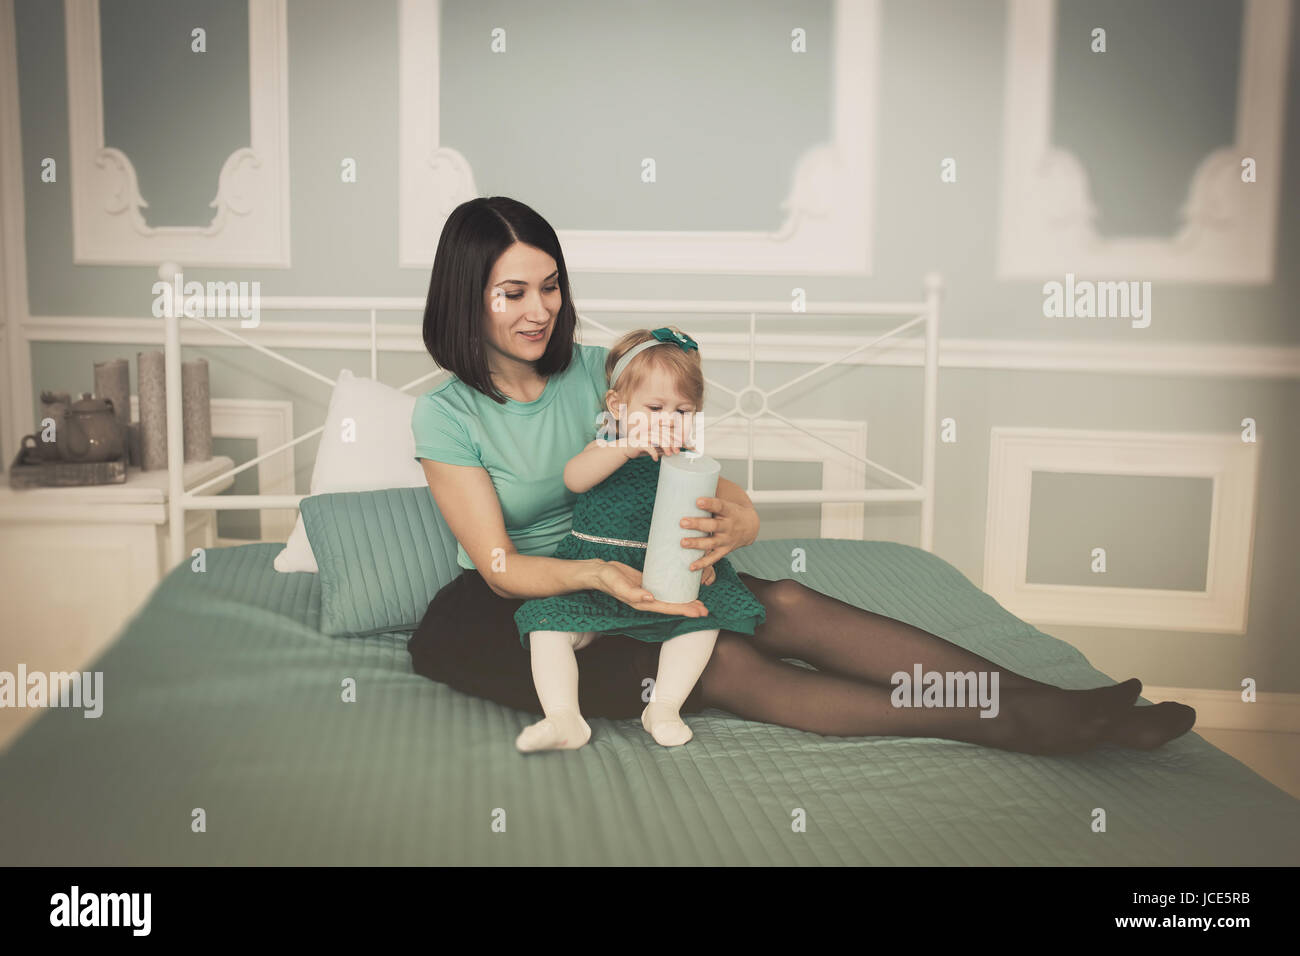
(683, 366)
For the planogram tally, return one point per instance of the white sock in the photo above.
(681, 662)
(555, 675)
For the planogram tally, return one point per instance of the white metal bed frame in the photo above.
(926, 312)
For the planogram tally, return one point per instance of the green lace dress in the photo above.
(620, 507)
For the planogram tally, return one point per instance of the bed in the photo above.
(225, 738)
(222, 694)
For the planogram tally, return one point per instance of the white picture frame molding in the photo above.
(1233, 465)
(250, 226)
(829, 210)
(1229, 230)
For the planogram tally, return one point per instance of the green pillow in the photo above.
(382, 556)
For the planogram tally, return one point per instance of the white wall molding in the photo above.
(251, 223)
(1229, 229)
(829, 211)
(776, 441)
(1209, 360)
(16, 413)
(1225, 710)
(432, 179)
(1233, 465)
(269, 422)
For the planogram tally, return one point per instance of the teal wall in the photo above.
(561, 121)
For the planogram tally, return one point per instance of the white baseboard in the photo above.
(1225, 710)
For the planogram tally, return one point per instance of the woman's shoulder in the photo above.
(591, 360)
(450, 393)
(592, 357)
(444, 404)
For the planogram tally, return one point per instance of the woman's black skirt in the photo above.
(468, 640)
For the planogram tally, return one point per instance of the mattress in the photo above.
(225, 739)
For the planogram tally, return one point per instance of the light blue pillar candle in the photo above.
(682, 478)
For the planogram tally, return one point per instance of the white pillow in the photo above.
(380, 453)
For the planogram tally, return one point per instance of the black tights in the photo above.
(856, 652)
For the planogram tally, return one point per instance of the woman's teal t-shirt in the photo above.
(523, 445)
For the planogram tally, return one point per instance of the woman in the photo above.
(493, 440)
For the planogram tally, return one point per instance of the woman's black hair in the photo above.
(474, 236)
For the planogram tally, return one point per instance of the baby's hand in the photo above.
(709, 576)
(654, 451)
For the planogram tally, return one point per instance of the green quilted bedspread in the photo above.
(221, 694)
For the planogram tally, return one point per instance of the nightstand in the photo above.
(77, 563)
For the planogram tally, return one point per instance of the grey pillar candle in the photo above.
(196, 408)
(113, 381)
(151, 375)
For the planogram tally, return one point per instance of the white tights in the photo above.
(555, 675)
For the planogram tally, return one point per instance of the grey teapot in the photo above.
(90, 431)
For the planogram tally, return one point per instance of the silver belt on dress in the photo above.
(624, 542)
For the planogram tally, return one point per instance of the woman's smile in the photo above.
(536, 336)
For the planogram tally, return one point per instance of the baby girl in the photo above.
(651, 392)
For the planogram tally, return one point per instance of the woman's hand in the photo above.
(624, 582)
(709, 576)
(732, 525)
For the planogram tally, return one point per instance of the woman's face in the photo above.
(522, 296)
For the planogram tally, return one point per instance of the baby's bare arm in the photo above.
(594, 464)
